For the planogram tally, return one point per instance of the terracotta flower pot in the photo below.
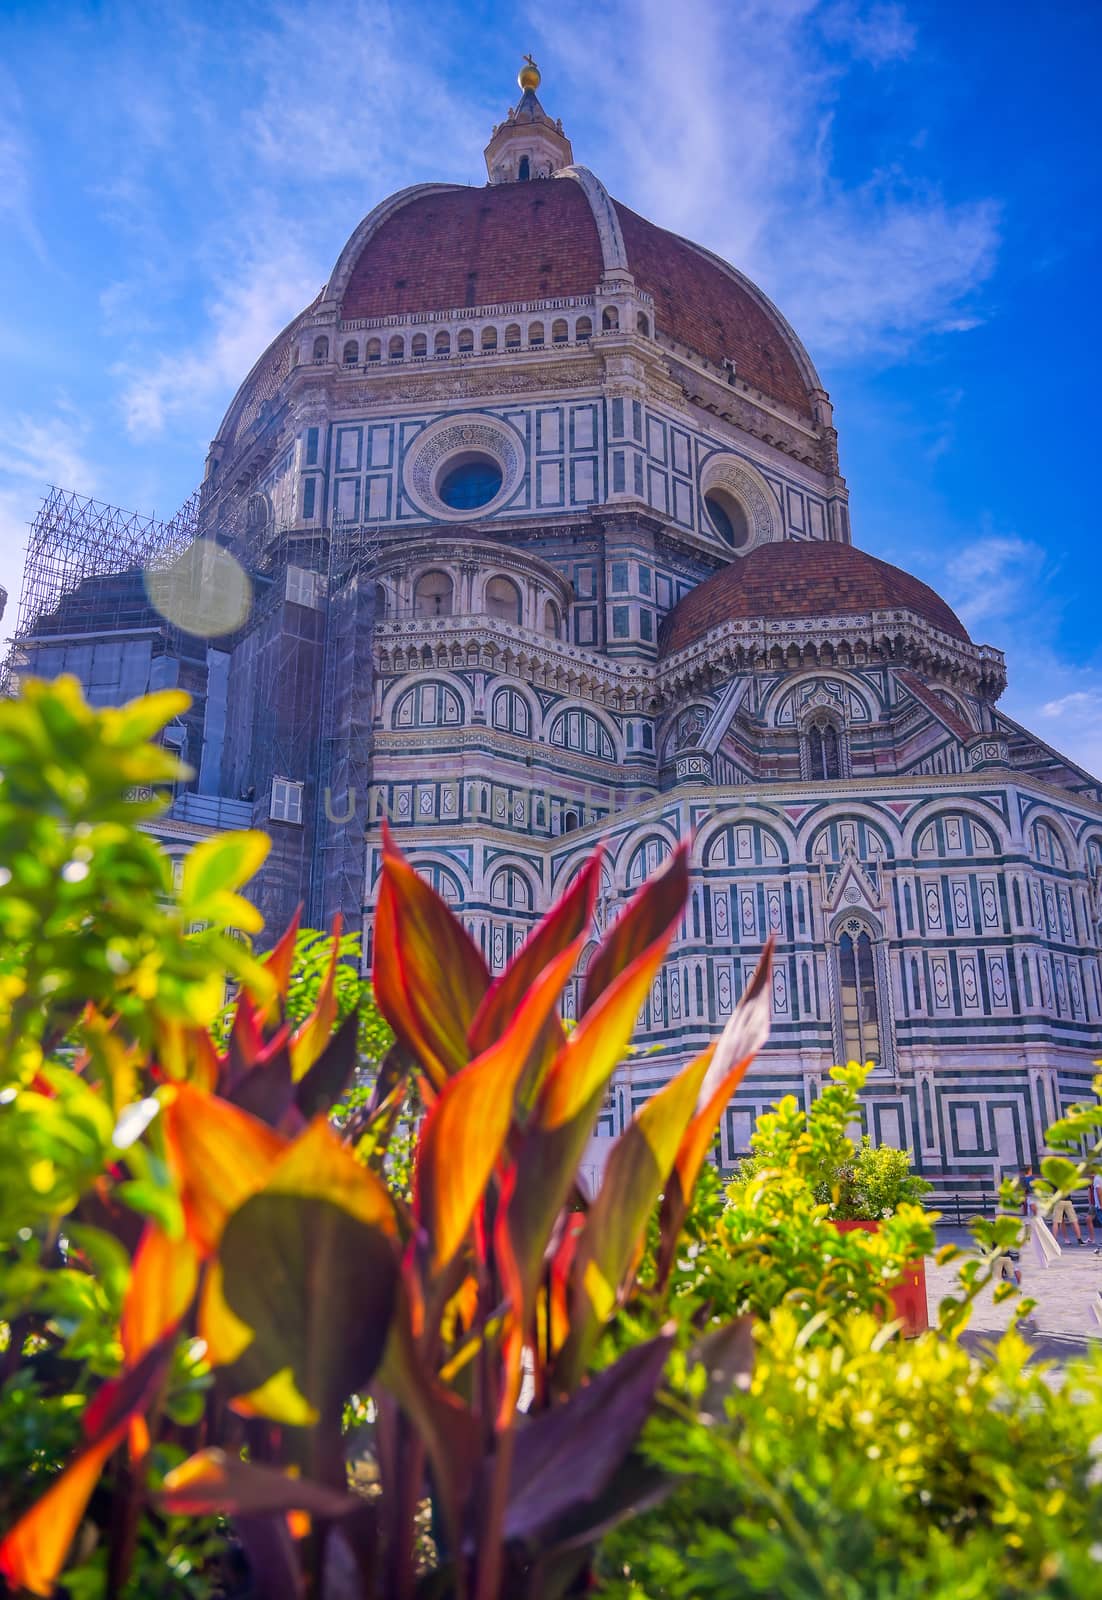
(909, 1294)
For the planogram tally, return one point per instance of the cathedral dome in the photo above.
(797, 579)
(452, 248)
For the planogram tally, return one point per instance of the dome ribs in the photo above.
(532, 241)
(699, 305)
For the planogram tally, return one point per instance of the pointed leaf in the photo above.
(163, 1279)
(266, 1091)
(33, 1552)
(566, 1457)
(212, 1483)
(429, 977)
(280, 962)
(656, 907)
(746, 1032)
(309, 1040)
(308, 1268)
(330, 1075)
(219, 1156)
(465, 1131)
(637, 1168)
(568, 918)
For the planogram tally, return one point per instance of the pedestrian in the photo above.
(1063, 1215)
(1029, 1204)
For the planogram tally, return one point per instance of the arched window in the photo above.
(432, 595)
(508, 887)
(511, 712)
(419, 345)
(465, 341)
(571, 820)
(524, 171)
(351, 353)
(380, 602)
(442, 344)
(610, 319)
(551, 622)
(560, 333)
(535, 333)
(583, 329)
(643, 325)
(503, 600)
(857, 992)
(321, 348)
(397, 348)
(374, 350)
(824, 751)
(512, 336)
(489, 338)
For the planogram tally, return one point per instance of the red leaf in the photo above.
(33, 1552)
(280, 961)
(164, 1276)
(465, 1131)
(746, 1032)
(608, 1253)
(429, 977)
(212, 1483)
(219, 1156)
(651, 912)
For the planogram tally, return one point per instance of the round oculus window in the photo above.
(728, 518)
(468, 484)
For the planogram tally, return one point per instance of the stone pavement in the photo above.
(1063, 1291)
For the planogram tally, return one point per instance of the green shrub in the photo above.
(865, 1467)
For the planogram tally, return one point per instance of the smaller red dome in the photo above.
(794, 578)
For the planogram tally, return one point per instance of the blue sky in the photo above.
(916, 185)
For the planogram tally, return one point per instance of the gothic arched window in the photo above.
(824, 751)
(321, 348)
(858, 994)
(351, 353)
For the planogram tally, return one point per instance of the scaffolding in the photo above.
(344, 725)
(75, 538)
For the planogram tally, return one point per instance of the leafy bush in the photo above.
(859, 1181)
(220, 1278)
(863, 1466)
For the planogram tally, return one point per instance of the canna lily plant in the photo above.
(467, 1311)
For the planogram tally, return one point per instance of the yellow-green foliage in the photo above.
(860, 1466)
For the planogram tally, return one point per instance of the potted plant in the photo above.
(860, 1186)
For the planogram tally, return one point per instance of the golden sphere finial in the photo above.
(529, 75)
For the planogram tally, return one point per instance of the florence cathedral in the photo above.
(547, 544)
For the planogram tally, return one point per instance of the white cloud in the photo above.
(15, 172)
(248, 308)
(722, 129)
(995, 579)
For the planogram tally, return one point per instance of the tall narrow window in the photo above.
(824, 751)
(432, 595)
(857, 988)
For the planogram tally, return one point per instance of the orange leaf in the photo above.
(219, 1155)
(212, 1482)
(652, 912)
(465, 1130)
(569, 917)
(279, 962)
(163, 1278)
(309, 1040)
(746, 1032)
(428, 975)
(33, 1552)
(608, 1253)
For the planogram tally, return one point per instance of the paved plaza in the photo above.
(1064, 1293)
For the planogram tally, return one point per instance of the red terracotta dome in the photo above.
(450, 248)
(793, 578)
